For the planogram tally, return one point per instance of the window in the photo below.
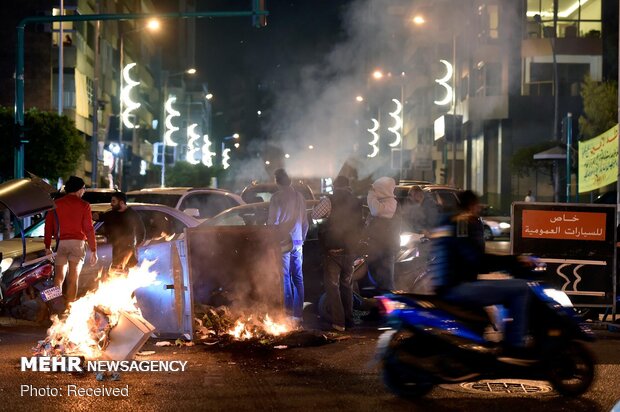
(576, 18)
(488, 15)
(159, 224)
(488, 79)
(208, 204)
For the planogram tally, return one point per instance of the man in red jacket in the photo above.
(76, 226)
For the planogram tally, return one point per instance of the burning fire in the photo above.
(85, 328)
(254, 328)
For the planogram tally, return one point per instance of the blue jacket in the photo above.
(287, 209)
(458, 254)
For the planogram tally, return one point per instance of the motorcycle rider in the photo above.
(459, 257)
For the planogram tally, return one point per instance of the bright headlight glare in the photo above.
(504, 225)
(560, 297)
(405, 238)
(5, 264)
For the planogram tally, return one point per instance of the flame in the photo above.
(84, 330)
(255, 328)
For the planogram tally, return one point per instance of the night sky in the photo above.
(229, 50)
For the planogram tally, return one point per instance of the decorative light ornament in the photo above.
(170, 114)
(443, 82)
(207, 154)
(192, 149)
(129, 104)
(375, 140)
(398, 122)
(226, 158)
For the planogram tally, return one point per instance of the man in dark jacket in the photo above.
(339, 239)
(124, 229)
(459, 257)
(287, 210)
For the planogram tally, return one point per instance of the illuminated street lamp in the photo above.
(359, 98)
(226, 152)
(152, 25)
(209, 96)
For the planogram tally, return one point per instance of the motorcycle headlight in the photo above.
(559, 296)
(504, 225)
(5, 264)
(405, 238)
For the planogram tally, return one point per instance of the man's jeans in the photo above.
(514, 294)
(293, 281)
(337, 280)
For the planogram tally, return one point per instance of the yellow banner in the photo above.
(598, 161)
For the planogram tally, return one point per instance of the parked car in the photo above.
(162, 224)
(445, 196)
(262, 192)
(200, 203)
(496, 223)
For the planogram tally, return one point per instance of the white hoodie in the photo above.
(381, 199)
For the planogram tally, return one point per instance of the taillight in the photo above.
(29, 278)
(44, 271)
(388, 306)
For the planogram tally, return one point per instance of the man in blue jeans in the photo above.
(459, 256)
(287, 210)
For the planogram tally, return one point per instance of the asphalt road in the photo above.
(242, 377)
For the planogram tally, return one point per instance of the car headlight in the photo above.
(504, 225)
(405, 238)
(5, 264)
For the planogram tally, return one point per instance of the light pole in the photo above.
(556, 102)
(234, 136)
(167, 76)
(152, 25)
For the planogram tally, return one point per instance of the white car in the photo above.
(161, 223)
(495, 224)
(198, 203)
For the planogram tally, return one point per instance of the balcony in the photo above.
(485, 108)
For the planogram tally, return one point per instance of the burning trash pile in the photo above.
(219, 324)
(85, 328)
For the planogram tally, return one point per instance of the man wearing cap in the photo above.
(73, 216)
(339, 237)
(287, 210)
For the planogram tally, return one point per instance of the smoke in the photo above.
(318, 109)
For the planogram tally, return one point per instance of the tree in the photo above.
(186, 174)
(522, 161)
(600, 104)
(54, 144)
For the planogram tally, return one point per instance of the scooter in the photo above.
(429, 341)
(26, 287)
(28, 292)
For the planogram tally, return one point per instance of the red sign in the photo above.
(544, 224)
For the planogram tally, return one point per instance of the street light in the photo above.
(168, 110)
(538, 20)
(152, 25)
(234, 136)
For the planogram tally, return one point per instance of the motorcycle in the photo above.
(429, 341)
(27, 290)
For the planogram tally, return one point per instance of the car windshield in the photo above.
(167, 199)
(244, 216)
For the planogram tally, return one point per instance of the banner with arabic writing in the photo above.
(598, 161)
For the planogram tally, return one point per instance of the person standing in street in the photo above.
(383, 229)
(529, 197)
(124, 229)
(339, 240)
(287, 210)
(422, 212)
(73, 216)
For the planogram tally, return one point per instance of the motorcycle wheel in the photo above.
(403, 379)
(571, 370)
